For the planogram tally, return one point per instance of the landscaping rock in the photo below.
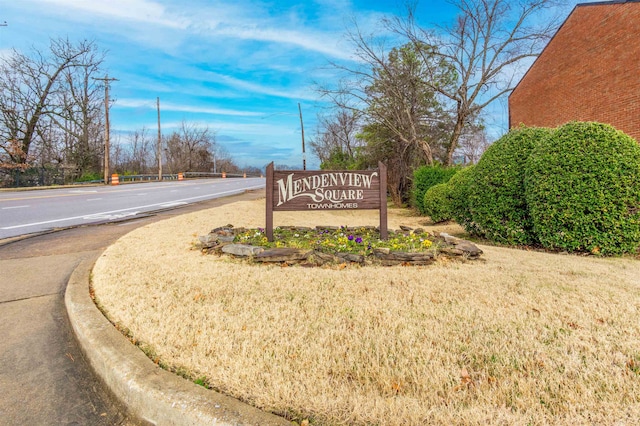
(321, 258)
(242, 250)
(462, 247)
(469, 249)
(350, 257)
(283, 255)
(398, 257)
(208, 241)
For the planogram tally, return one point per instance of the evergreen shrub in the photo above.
(436, 203)
(583, 190)
(427, 176)
(497, 199)
(458, 196)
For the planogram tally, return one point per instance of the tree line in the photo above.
(52, 123)
(417, 96)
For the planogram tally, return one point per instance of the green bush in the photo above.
(436, 203)
(459, 187)
(497, 200)
(87, 177)
(583, 190)
(424, 178)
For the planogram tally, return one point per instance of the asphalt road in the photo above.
(27, 212)
(44, 378)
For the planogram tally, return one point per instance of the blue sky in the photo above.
(239, 67)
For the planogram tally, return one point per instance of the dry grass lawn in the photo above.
(519, 338)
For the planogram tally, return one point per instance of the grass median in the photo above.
(521, 337)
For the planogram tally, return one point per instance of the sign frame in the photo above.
(306, 190)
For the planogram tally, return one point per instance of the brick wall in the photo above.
(590, 71)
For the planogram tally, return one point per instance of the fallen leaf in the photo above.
(465, 376)
(466, 381)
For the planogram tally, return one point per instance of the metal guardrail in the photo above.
(214, 175)
(169, 176)
(174, 176)
(143, 178)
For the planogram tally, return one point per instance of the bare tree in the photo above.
(81, 113)
(31, 88)
(473, 143)
(224, 160)
(336, 135)
(138, 153)
(402, 115)
(190, 148)
(394, 88)
(490, 39)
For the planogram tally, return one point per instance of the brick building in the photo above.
(589, 71)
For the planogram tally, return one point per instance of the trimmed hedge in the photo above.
(427, 176)
(583, 190)
(497, 199)
(436, 203)
(459, 187)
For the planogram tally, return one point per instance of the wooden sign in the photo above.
(297, 190)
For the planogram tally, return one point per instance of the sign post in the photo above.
(304, 190)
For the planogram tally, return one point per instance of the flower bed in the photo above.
(329, 245)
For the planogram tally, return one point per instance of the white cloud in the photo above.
(212, 21)
(309, 40)
(257, 88)
(132, 10)
(169, 106)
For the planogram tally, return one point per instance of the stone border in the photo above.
(221, 241)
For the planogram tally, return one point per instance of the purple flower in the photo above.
(350, 237)
(359, 240)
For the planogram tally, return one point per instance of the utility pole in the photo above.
(304, 155)
(159, 144)
(106, 81)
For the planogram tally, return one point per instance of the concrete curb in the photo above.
(150, 393)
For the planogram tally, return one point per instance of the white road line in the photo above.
(94, 199)
(46, 222)
(140, 195)
(83, 191)
(14, 207)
